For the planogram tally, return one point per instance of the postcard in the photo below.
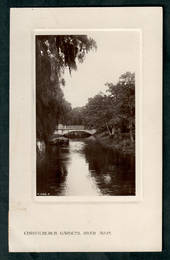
(85, 129)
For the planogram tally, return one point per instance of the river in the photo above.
(85, 168)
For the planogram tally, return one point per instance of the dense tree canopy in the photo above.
(114, 111)
(55, 54)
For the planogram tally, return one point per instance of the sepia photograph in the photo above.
(85, 113)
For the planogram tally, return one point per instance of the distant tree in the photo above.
(55, 54)
(98, 112)
(76, 116)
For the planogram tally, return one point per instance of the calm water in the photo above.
(85, 168)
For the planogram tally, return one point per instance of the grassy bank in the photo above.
(122, 145)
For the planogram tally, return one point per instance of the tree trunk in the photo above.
(131, 133)
(113, 131)
(131, 136)
(110, 133)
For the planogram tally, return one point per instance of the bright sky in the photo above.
(117, 52)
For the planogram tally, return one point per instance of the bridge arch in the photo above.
(66, 129)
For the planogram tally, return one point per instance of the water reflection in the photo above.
(114, 173)
(51, 172)
(85, 168)
(79, 180)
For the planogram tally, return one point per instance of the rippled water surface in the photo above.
(85, 168)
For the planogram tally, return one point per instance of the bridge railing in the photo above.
(70, 127)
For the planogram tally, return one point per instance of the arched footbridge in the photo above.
(66, 129)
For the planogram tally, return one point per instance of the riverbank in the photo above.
(124, 146)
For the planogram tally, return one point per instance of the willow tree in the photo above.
(54, 55)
